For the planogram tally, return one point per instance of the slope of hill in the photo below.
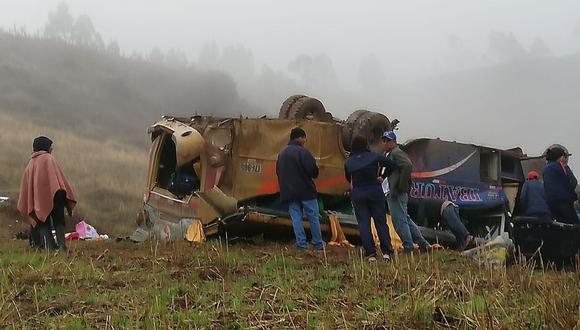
(102, 95)
(107, 177)
(96, 107)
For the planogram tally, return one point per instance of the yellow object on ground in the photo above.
(195, 232)
(338, 237)
(437, 246)
(395, 239)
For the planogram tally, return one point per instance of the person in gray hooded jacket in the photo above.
(398, 197)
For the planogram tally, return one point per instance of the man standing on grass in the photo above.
(296, 170)
(398, 195)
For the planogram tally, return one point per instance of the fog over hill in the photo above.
(530, 103)
(494, 73)
(104, 95)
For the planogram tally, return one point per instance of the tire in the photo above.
(287, 104)
(366, 123)
(309, 108)
(348, 126)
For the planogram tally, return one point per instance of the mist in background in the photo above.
(495, 73)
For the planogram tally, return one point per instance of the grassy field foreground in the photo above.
(268, 285)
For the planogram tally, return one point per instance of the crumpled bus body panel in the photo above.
(236, 168)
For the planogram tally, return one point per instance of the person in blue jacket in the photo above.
(296, 170)
(362, 170)
(533, 197)
(560, 193)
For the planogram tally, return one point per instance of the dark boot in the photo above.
(33, 237)
(57, 218)
(60, 241)
(45, 237)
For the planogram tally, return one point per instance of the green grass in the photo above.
(271, 286)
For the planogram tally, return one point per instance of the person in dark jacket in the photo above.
(443, 211)
(571, 176)
(361, 169)
(560, 194)
(533, 197)
(296, 169)
(569, 173)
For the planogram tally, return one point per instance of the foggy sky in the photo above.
(411, 37)
(414, 41)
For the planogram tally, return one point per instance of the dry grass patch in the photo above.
(266, 285)
(107, 177)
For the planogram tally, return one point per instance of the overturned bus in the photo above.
(210, 175)
(482, 181)
(227, 166)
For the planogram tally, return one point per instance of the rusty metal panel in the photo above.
(256, 148)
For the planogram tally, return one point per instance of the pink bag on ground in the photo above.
(85, 230)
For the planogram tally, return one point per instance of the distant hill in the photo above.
(100, 95)
(530, 102)
(96, 107)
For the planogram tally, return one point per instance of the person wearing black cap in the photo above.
(42, 143)
(560, 192)
(44, 195)
(296, 170)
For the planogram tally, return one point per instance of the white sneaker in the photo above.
(386, 257)
(372, 259)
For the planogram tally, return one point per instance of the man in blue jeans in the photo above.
(296, 170)
(428, 211)
(399, 184)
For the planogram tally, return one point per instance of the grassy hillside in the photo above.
(96, 107)
(108, 177)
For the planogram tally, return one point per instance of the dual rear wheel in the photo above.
(360, 123)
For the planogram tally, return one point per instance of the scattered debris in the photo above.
(23, 235)
(84, 231)
(494, 252)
